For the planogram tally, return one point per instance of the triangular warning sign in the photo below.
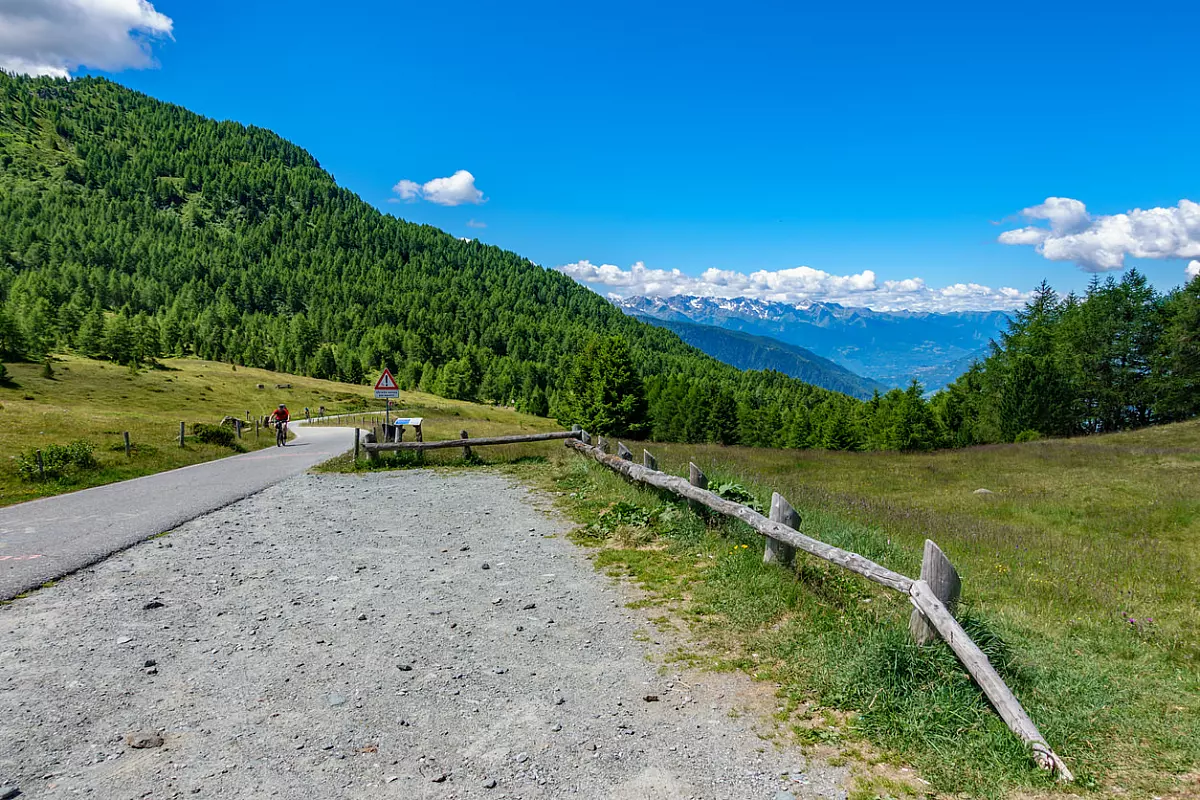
(386, 381)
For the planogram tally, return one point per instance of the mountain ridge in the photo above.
(891, 347)
(748, 351)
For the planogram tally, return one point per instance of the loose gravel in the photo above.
(411, 635)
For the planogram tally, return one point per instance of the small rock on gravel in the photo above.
(142, 739)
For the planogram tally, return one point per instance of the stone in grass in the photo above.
(983, 492)
(141, 740)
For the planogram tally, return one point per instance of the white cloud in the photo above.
(456, 190)
(797, 285)
(473, 223)
(56, 37)
(1192, 269)
(1101, 243)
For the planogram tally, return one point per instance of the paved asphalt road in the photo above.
(45, 539)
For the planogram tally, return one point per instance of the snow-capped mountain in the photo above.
(892, 347)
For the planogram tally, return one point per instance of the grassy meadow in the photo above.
(1081, 576)
(97, 401)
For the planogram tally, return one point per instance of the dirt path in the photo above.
(341, 636)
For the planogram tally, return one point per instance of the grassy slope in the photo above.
(97, 401)
(1079, 536)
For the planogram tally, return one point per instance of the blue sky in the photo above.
(736, 138)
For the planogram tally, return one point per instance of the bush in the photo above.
(58, 460)
(214, 434)
(738, 494)
(5, 378)
(1027, 436)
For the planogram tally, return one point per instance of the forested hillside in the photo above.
(132, 229)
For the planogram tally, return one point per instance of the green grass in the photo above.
(1078, 536)
(98, 401)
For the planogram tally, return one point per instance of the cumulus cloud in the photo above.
(1100, 243)
(1192, 269)
(456, 190)
(797, 285)
(474, 223)
(56, 37)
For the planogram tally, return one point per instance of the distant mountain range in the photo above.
(747, 351)
(891, 347)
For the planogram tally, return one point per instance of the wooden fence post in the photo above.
(942, 577)
(41, 466)
(181, 434)
(782, 512)
(649, 461)
(700, 481)
(356, 433)
(623, 452)
(585, 437)
(256, 429)
(127, 444)
(237, 424)
(466, 447)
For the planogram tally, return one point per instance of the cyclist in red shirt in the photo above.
(280, 417)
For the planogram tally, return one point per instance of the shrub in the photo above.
(738, 494)
(1028, 436)
(58, 460)
(214, 434)
(47, 370)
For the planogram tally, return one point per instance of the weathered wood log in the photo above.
(782, 512)
(480, 442)
(602, 444)
(993, 686)
(624, 452)
(942, 577)
(649, 461)
(776, 530)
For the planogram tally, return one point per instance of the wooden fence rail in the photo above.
(386, 447)
(929, 601)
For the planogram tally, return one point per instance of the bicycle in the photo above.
(281, 434)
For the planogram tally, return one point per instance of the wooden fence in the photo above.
(373, 449)
(933, 594)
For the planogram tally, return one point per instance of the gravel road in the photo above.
(410, 635)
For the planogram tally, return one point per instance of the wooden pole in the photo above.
(649, 461)
(356, 433)
(256, 429)
(181, 433)
(1000, 696)
(623, 452)
(237, 424)
(41, 466)
(466, 447)
(943, 580)
(127, 444)
(782, 512)
(699, 480)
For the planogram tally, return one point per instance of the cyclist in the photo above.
(280, 417)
